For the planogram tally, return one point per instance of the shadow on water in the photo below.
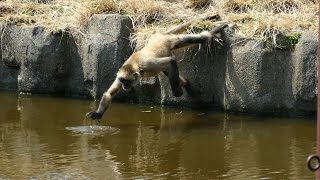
(41, 138)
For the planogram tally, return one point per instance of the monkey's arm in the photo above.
(105, 100)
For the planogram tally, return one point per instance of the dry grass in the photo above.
(144, 11)
(272, 18)
(237, 6)
(263, 19)
(55, 15)
(196, 4)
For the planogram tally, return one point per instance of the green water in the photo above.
(39, 140)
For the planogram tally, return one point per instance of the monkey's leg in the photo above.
(186, 84)
(170, 68)
(182, 83)
(176, 82)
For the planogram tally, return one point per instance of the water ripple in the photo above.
(93, 130)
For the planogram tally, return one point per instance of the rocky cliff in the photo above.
(241, 75)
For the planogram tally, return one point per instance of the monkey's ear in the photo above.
(136, 74)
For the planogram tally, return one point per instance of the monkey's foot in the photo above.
(190, 89)
(94, 115)
(177, 92)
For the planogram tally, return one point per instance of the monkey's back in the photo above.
(160, 45)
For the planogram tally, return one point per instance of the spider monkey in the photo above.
(154, 58)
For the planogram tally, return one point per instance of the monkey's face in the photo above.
(128, 81)
(128, 77)
(126, 84)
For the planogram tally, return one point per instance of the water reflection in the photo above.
(154, 143)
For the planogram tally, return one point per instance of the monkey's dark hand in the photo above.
(94, 115)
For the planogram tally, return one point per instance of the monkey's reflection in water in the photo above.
(185, 146)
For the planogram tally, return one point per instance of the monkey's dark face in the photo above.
(128, 77)
(128, 80)
(126, 84)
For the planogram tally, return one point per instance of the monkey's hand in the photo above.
(94, 115)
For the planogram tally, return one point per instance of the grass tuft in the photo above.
(238, 6)
(284, 6)
(196, 4)
(143, 11)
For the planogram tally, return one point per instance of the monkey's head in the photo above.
(128, 77)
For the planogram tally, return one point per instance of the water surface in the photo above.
(49, 138)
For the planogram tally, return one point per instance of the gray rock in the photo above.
(74, 82)
(304, 68)
(8, 76)
(14, 43)
(258, 79)
(45, 65)
(56, 63)
(33, 61)
(104, 49)
(264, 80)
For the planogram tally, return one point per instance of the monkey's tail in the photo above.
(183, 26)
(218, 28)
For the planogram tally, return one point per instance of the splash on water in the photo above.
(93, 130)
